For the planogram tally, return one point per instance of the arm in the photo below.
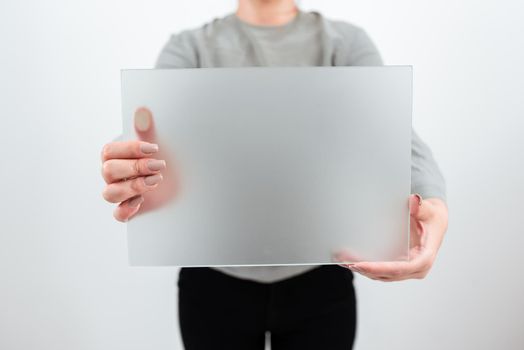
(133, 169)
(179, 51)
(428, 209)
(429, 221)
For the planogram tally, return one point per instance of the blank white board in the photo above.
(276, 166)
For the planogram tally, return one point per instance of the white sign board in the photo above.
(276, 166)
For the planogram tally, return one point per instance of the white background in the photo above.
(64, 279)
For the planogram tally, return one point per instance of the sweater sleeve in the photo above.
(426, 176)
(178, 52)
(362, 50)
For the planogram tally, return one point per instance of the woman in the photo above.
(303, 307)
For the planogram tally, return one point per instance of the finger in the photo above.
(125, 210)
(385, 268)
(355, 269)
(114, 170)
(123, 190)
(128, 150)
(360, 272)
(392, 279)
(345, 256)
(420, 209)
(144, 125)
(414, 275)
(397, 269)
(383, 278)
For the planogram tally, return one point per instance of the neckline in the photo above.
(262, 27)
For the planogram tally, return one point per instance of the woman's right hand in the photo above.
(131, 169)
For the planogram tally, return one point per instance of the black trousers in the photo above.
(313, 310)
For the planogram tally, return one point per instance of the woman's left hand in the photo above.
(429, 222)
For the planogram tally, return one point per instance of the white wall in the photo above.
(64, 280)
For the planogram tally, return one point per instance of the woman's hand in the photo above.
(429, 222)
(133, 171)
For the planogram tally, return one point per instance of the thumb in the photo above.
(420, 209)
(144, 125)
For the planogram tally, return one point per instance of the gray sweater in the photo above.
(308, 40)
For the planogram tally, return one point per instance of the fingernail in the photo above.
(155, 164)
(142, 119)
(148, 148)
(153, 179)
(135, 202)
(419, 198)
